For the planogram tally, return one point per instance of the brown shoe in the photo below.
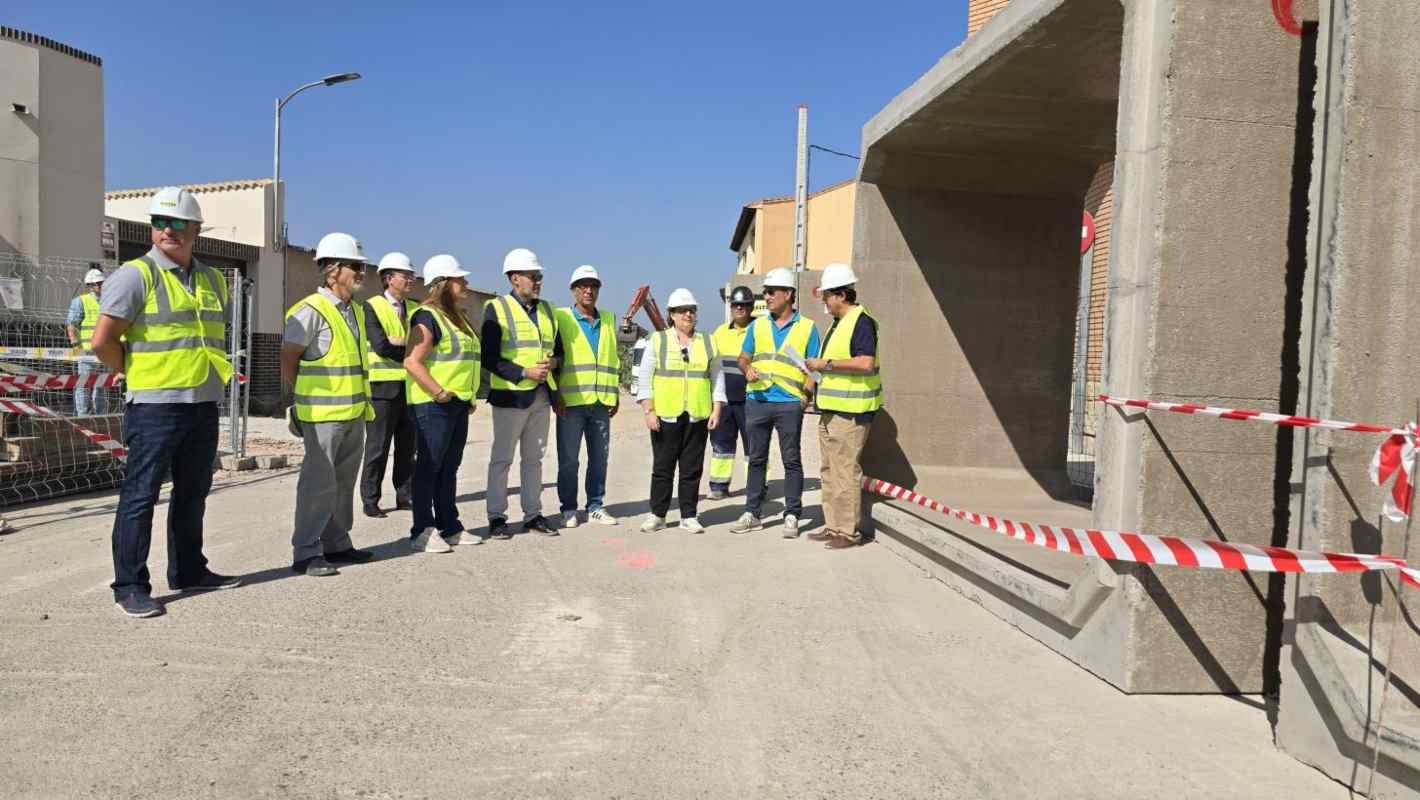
(824, 535)
(842, 543)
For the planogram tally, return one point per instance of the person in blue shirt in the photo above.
(79, 323)
(779, 390)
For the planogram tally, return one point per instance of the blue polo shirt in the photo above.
(776, 393)
(591, 328)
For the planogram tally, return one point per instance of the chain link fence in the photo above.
(56, 411)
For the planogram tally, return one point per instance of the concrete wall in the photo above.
(1358, 347)
(52, 156)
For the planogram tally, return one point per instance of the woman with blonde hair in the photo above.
(443, 367)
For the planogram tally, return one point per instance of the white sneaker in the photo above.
(691, 525)
(746, 523)
(463, 538)
(653, 523)
(791, 526)
(569, 520)
(603, 517)
(430, 542)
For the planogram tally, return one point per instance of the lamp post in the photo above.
(278, 219)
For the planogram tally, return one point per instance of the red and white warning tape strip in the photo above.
(103, 440)
(1142, 548)
(42, 382)
(1287, 420)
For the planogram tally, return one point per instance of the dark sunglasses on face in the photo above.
(535, 277)
(743, 306)
(357, 266)
(163, 223)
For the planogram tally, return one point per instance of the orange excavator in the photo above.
(642, 299)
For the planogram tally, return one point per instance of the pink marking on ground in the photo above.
(637, 559)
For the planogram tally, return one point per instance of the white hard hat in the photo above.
(782, 278)
(396, 261)
(681, 298)
(836, 276)
(521, 260)
(443, 266)
(584, 273)
(339, 246)
(94, 276)
(175, 202)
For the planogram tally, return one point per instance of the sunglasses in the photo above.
(687, 310)
(355, 266)
(745, 306)
(163, 223)
(535, 277)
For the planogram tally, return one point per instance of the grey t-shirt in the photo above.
(123, 297)
(308, 328)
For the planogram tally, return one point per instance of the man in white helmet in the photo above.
(387, 325)
(848, 397)
(163, 320)
(323, 357)
(80, 323)
(589, 394)
(521, 351)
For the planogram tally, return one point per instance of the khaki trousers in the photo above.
(841, 442)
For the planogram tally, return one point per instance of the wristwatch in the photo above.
(828, 366)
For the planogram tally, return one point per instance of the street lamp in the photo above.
(277, 216)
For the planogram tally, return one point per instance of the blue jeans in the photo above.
(442, 433)
(182, 436)
(593, 423)
(82, 396)
(763, 420)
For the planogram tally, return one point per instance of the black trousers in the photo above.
(392, 423)
(677, 444)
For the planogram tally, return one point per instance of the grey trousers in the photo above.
(523, 429)
(325, 493)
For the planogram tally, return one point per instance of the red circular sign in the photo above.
(1087, 234)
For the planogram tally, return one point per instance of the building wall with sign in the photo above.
(51, 148)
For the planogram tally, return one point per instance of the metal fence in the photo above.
(52, 433)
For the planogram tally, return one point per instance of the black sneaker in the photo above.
(210, 581)
(498, 529)
(351, 556)
(403, 505)
(539, 524)
(315, 566)
(139, 605)
(372, 510)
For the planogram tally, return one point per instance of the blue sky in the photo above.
(622, 134)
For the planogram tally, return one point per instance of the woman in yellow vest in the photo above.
(849, 395)
(443, 367)
(681, 388)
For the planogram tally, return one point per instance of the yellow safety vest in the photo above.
(679, 386)
(90, 321)
(179, 337)
(333, 387)
(587, 377)
(729, 341)
(381, 368)
(523, 343)
(453, 362)
(850, 394)
(771, 363)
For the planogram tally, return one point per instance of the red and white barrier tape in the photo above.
(103, 440)
(1142, 548)
(43, 382)
(1287, 420)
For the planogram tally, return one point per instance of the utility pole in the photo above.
(801, 198)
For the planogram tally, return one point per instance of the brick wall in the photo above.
(1099, 201)
(979, 12)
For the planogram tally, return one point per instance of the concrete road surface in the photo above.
(605, 663)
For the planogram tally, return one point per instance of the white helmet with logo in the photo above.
(340, 247)
(586, 272)
(395, 261)
(443, 266)
(94, 276)
(175, 202)
(521, 260)
(782, 278)
(836, 276)
(681, 298)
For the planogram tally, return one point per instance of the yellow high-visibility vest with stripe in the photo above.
(729, 341)
(453, 362)
(179, 336)
(381, 368)
(90, 321)
(524, 343)
(771, 363)
(333, 388)
(850, 394)
(588, 377)
(680, 385)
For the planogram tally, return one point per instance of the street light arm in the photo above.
(282, 103)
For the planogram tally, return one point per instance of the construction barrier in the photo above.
(108, 443)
